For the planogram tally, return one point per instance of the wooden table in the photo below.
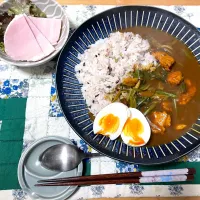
(130, 2)
(156, 198)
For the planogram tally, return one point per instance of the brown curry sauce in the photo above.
(188, 65)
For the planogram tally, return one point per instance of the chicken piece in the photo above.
(191, 91)
(165, 60)
(160, 120)
(168, 121)
(157, 129)
(188, 82)
(129, 81)
(180, 126)
(167, 105)
(184, 99)
(175, 78)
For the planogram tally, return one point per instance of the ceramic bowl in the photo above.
(69, 89)
(52, 10)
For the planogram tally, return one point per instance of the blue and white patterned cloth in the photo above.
(44, 117)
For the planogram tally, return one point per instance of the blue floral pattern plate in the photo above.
(69, 89)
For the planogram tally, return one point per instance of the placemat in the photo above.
(29, 109)
(12, 116)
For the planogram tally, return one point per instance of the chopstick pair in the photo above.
(174, 175)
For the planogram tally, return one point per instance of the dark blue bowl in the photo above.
(69, 89)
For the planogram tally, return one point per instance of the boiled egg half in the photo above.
(136, 131)
(111, 119)
(117, 119)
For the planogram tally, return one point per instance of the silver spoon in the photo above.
(63, 157)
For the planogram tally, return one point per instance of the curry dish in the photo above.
(159, 76)
(169, 96)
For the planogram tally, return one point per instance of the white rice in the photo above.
(120, 52)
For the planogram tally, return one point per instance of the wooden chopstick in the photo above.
(158, 179)
(125, 175)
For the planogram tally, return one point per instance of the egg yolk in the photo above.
(108, 123)
(133, 128)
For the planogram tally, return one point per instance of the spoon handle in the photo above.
(92, 155)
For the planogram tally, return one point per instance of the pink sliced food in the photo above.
(44, 44)
(49, 27)
(20, 42)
